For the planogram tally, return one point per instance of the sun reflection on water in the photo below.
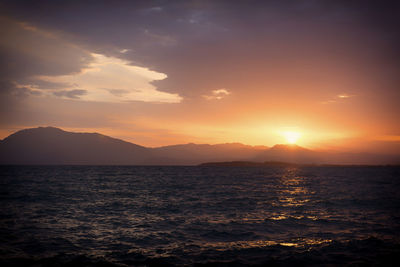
(300, 242)
(293, 191)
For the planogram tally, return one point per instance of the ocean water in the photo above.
(195, 216)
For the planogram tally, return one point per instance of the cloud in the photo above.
(39, 60)
(104, 72)
(338, 98)
(16, 91)
(49, 63)
(44, 85)
(117, 92)
(27, 51)
(217, 94)
(343, 96)
(72, 94)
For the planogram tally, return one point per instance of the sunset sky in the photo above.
(322, 74)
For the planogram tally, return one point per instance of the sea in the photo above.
(199, 216)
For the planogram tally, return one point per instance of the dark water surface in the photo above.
(129, 216)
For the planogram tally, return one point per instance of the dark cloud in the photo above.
(47, 85)
(8, 88)
(72, 94)
(12, 97)
(27, 51)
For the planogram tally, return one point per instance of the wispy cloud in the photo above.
(72, 94)
(217, 94)
(338, 98)
(343, 96)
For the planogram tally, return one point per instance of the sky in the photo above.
(322, 74)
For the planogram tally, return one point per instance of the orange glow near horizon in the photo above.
(292, 137)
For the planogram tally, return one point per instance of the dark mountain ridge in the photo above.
(53, 146)
(49, 145)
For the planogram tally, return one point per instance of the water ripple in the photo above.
(187, 215)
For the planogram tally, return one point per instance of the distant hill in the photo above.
(49, 145)
(247, 164)
(300, 155)
(288, 153)
(193, 154)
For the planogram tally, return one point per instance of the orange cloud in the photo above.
(217, 94)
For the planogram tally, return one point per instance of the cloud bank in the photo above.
(45, 64)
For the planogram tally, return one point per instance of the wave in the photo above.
(371, 252)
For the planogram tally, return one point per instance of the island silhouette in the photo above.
(54, 146)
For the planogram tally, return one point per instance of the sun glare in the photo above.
(291, 137)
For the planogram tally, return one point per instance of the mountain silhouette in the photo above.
(289, 153)
(198, 153)
(50, 146)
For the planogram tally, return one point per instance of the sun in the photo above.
(291, 137)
